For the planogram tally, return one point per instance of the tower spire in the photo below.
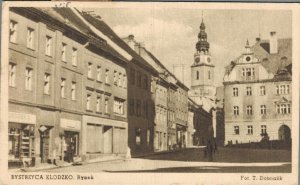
(202, 44)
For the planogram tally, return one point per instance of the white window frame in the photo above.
(248, 91)
(89, 72)
(98, 103)
(47, 77)
(73, 90)
(63, 52)
(235, 91)
(262, 90)
(236, 110)
(263, 109)
(74, 56)
(12, 75)
(63, 88)
(263, 129)
(249, 110)
(30, 38)
(48, 51)
(28, 79)
(13, 28)
(88, 102)
(250, 129)
(99, 70)
(236, 130)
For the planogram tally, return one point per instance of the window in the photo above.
(263, 129)
(30, 38)
(148, 136)
(235, 91)
(263, 109)
(118, 106)
(99, 73)
(145, 84)
(236, 130)
(106, 105)
(137, 136)
(132, 76)
(28, 79)
(282, 89)
(115, 78)
(262, 90)
(63, 52)
(88, 102)
(106, 76)
(120, 80)
(197, 75)
(48, 45)
(74, 57)
(248, 91)
(12, 75)
(13, 31)
(146, 109)
(139, 79)
(243, 72)
(152, 86)
(46, 83)
(249, 110)
(250, 129)
(131, 107)
(98, 103)
(235, 110)
(248, 71)
(73, 91)
(62, 87)
(138, 107)
(90, 65)
(283, 108)
(124, 81)
(209, 75)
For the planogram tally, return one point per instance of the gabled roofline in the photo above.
(126, 55)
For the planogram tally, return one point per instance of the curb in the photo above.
(163, 152)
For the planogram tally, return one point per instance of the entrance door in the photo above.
(107, 139)
(284, 133)
(72, 143)
(45, 146)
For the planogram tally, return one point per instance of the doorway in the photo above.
(107, 139)
(284, 133)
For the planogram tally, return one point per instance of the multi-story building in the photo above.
(165, 92)
(141, 104)
(258, 92)
(53, 101)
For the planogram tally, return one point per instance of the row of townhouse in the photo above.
(67, 88)
(169, 96)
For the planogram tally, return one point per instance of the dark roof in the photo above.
(161, 65)
(69, 19)
(106, 30)
(271, 62)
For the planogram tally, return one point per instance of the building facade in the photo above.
(52, 100)
(258, 92)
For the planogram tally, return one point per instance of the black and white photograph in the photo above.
(99, 89)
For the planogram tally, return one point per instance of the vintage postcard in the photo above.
(149, 93)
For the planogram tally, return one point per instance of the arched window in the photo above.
(197, 75)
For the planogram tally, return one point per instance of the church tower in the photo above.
(202, 70)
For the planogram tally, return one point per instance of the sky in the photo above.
(171, 33)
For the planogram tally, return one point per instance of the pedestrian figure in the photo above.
(216, 147)
(210, 151)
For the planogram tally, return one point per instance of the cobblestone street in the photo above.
(193, 160)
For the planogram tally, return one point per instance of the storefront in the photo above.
(70, 138)
(21, 139)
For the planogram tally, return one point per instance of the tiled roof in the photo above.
(271, 62)
(67, 17)
(106, 30)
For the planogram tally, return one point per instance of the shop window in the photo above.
(20, 141)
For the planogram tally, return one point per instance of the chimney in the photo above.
(130, 41)
(273, 43)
